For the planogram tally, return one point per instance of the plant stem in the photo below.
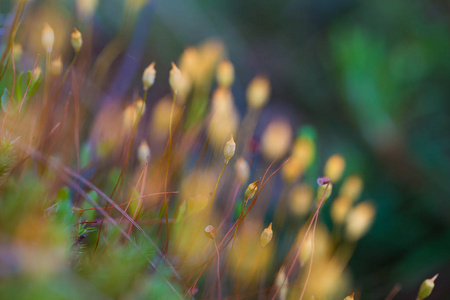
(215, 190)
(169, 153)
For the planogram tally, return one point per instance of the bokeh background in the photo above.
(371, 76)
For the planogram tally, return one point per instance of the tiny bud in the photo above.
(184, 88)
(77, 40)
(334, 167)
(251, 190)
(143, 153)
(229, 149)
(148, 77)
(189, 62)
(266, 236)
(324, 191)
(225, 74)
(210, 232)
(242, 170)
(48, 38)
(323, 180)
(426, 288)
(350, 297)
(258, 92)
(175, 78)
(359, 220)
(56, 66)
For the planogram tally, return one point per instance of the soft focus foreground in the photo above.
(163, 188)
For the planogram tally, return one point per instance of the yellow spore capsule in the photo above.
(56, 66)
(210, 232)
(148, 77)
(242, 170)
(175, 78)
(352, 188)
(225, 74)
(251, 190)
(86, 8)
(48, 38)
(229, 149)
(77, 40)
(300, 199)
(276, 139)
(334, 167)
(359, 220)
(323, 191)
(258, 92)
(17, 51)
(350, 297)
(340, 208)
(281, 278)
(266, 236)
(426, 288)
(143, 153)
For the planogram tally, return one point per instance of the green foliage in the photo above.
(7, 160)
(19, 91)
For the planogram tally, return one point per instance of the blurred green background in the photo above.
(371, 76)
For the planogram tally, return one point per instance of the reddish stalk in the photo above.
(131, 200)
(313, 220)
(62, 124)
(311, 257)
(6, 67)
(218, 270)
(58, 166)
(262, 184)
(77, 121)
(139, 206)
(169, 152)
(124, 165)
(135, 188)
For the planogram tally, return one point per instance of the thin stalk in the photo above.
(139, 205)
(263, 182)
(218, 270)
(128, 202)
(215, 189)
(169, 153)
(313, 220)
(145, 96)
(135, 188)
(125, 163)
(64, 170)
(45, 105)
(12, 35)
(249, 273)
(26, 91)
